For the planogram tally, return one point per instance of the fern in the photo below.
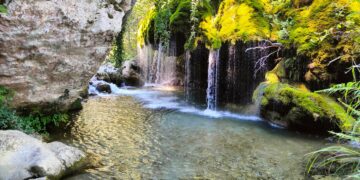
(350, 95)
(345, 160)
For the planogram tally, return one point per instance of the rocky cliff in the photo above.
(49, 49)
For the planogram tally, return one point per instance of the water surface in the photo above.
(153, 134)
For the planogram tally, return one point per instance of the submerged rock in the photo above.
(25, 157)
(295, 108)
(50, 49)
(131, 74)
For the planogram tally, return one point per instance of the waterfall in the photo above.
(187, 75)
(159, 64)
(213, 78)
(145, 61)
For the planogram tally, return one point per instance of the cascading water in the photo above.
(145, 55)
(159, 63)
(213, 77)
(187, 75)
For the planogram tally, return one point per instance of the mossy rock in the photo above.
(294, 108)
(76, 105)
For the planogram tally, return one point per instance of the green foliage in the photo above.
(162, 24)
(131, 24)
(116, 55)
(236, 20)
(3, 9)
(350, 95)
(338, 160)
(37, 123)
(33, 123)
(5, 96)
(145, 26)
(341, 159)
(326, 31)
(8, 119)
(181, 14)
(322, 30)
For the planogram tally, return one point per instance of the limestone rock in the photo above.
(50, 49)
(24, 157)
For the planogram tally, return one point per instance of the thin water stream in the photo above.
(153, 134)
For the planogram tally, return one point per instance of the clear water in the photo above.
(152, 134)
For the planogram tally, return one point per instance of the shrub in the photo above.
(343, 160)
(33, 123)
(3, 9)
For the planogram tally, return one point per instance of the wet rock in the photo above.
(50, 49)
(131, 74)
(25, 157)
(298, 109)
(108, 73)
(103, 87)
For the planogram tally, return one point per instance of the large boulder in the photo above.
(25, 157)
(295, 108)
(131, 74)
(50, 49)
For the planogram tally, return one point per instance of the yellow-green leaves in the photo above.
(235, 21)
(144, 26)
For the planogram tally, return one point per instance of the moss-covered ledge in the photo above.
(294, 108)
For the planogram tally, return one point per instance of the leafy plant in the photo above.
(343, 160)
(350, 95)
(339, 160)
(33, 123)
(3, 9)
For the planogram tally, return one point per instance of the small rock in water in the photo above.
(102, 87)
(25, 157)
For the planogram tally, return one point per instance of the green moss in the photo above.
(313, 103)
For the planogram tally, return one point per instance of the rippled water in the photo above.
(152, 134)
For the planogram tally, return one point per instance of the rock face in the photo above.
(25, 157)
(50, 49)
(131, 74)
